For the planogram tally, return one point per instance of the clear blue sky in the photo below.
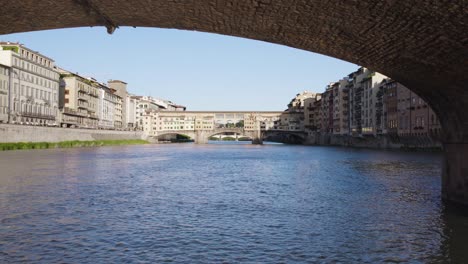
(200, 70)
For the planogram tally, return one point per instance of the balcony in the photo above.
(36, 115)
(82, 96)
(83, 90)
(83, 104)
(70, 111)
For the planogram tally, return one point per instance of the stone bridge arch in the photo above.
(158, 136)
(202, 136)
(422, 44)
(290, 137)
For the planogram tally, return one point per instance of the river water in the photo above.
(225, 203)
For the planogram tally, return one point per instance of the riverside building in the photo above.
(33, 85)
(312, 109)
(340, 113)
(415, 117)
(363, 90)
(4, 87)
(293, 118)
(79, 100)
(366, 103)
(131, 104)
(108, 107)
(120, 89)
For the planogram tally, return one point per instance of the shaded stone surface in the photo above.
(455, 173)
(422, 44)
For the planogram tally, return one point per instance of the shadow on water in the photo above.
(455, 234)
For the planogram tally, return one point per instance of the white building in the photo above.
(120, 89)
(79, 100)
(107, 107)
(341, 107)
(364, 85)
(293, 118)
(4, 85)
(153, 122)
(33, 85)
(131, 108)
(144, 104)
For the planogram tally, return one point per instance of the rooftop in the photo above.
(17, 44)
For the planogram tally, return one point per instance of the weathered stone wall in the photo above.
(18, 133)
(380, 142)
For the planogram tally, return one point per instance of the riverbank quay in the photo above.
(416, 143)
(21, 133)
(69, 144)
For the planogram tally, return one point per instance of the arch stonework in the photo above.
(202, 136)
(422, 44)
(189, 133)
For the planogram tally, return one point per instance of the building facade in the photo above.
(293, 118)
(33, 85)
(363, 86)
(118, 111)
(4, 87)
(120, 89)
(391, 106)
(327, 110)
(340, 107)
(79, 101)
(107, 107)
(415, 117)
(313, 113)
(131, 105)
(367, 103)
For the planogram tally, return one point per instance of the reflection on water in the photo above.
(225, 203)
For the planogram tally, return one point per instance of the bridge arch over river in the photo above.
(202, 136)
(422, 44)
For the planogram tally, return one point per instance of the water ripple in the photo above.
(225, 204)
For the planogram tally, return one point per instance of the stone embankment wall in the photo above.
(379, 142)
(20, 133)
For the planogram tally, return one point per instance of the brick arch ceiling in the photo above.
(422, 44)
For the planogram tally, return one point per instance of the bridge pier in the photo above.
(451, 107)
(455, 173)
(257, 137)
(257, 141)
(200, 137)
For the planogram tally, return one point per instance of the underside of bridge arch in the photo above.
(203, 136)
(175, 136)
(422, 44)
(284, 137)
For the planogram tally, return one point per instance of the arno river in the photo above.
(235, 203)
